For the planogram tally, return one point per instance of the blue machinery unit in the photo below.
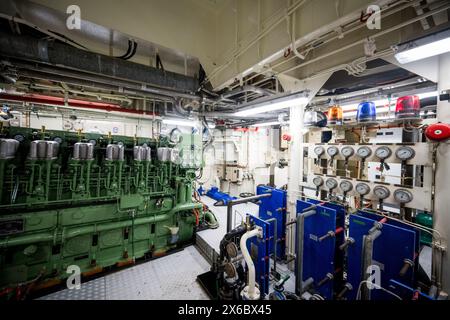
(374, 243)
(259, 249)
(221, 198)
(273, 209)
(389, 245)
(320, 262)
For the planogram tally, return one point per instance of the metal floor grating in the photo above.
(172, 277)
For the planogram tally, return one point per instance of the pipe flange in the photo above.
(247, 296)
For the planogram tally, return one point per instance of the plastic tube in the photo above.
(250, 292)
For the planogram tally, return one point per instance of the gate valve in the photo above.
(287, 137)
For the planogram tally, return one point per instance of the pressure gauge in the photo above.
(383, 153)
(381, 192)
(58, 139)
(364, 152)
(403, 196)
(332, 151)
(346, 186)
(19, 137)
(405, 153)
(347, 152)
(93, 142)
(331, 183)
(318, 181)
(362, 188)
(319, 151)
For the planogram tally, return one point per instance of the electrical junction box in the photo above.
(233, 174)
(190, 149)
(283, 143)
(395, 135)
(277, 138)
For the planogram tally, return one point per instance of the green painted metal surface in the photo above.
(92, 213)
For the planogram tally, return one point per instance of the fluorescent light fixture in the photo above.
(277, 104)
(265, 124)
(424, 48)
(427, 95)
(176, 122)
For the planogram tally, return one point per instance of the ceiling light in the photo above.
(183, 123)
(266, 124)
(277, 104)
(424, 48)
(427, 95)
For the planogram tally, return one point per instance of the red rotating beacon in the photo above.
(438, 132)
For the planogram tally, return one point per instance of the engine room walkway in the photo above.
(165, 278)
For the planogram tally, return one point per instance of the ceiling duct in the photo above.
(63, 55)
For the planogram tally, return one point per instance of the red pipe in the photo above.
(384, 220)
(43, 99)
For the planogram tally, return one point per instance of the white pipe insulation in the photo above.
(250, 292)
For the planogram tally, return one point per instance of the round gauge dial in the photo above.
(58, 139)
(332, 151)
(347, 152)
(93, 142)
(381, 192)
(403, 196)
(346, 186)
(318, 181)
(405, 153)
(362, 188)
(383, 152)
(331, 183)
(19, 137)
(319, 150)
(364, 152)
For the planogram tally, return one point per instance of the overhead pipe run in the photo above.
(63, 55)
(232, 203)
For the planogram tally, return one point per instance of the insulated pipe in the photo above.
(299, 285)
(250, 292)
(231, 203)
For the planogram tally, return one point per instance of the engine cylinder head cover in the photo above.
(43, 150)
(83, 151)
(8, 148)
(115, 152)
(168, 154)
(142, 153)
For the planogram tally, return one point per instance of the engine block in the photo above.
(88, 200)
